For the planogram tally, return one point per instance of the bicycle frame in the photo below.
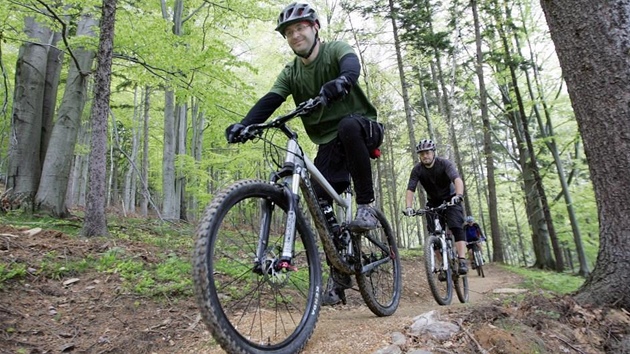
(441, 233)
(476, 247)
(295, 175)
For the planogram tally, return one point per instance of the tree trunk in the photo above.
(405, 96)
(538, 226)
(480, 179)
(198, 124)
(519, 234)
(425, 109)
(95, 223)
(51, 195)
(497, 245)
(24, 168)
(448, 113)
(53, 71)
(170, 205)
(144, 204)
(524, 120)
(547, 132)
(180, 180)
(80, 170)
(174, 138)
(592, 40)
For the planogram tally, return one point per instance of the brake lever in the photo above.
(246, 135)
(309, 105)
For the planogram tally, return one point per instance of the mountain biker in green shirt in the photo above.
(344, 127)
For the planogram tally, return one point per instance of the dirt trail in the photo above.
(353, 328)
(92, 314)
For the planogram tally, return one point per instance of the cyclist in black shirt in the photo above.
(441, 181)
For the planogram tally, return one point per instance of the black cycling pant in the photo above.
(355, 138)
(454, 218)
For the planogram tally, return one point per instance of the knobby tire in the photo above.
(460, 283)
(381, 286)
(442, 291)
(247, 311)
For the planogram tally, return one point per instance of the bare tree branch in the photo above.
(64, 28)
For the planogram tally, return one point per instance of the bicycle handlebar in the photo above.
(253, 131)
(429, 210)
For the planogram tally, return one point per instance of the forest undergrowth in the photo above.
(132, 293)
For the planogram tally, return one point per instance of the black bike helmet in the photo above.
(296, 12)
(425, 145)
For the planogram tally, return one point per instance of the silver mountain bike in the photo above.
(441, 261)
(256, 264)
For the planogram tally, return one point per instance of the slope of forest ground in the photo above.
(92, 312)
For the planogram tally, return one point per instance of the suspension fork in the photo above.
(289, 230)
(445, 257)
(266, 208)
(290, 173)
(442, 233)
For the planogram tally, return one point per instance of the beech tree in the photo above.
(592, 40)
(25, 149)
(95, 221)
(51, 195)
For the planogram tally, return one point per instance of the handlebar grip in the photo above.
(250, 132)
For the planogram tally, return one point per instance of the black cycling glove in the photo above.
(335, 89)
(232, 132)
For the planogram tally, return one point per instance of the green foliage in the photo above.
(560, 283)
(174, 276)
(410, 253)
(55, 266)
(168, 275)
(11, 271)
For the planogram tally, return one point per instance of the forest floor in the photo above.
(90, 313)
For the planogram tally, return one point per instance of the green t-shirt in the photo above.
(304, 81)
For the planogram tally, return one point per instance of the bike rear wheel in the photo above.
(440, 279)
(248, 306)
(379, 274)
(479, 263)
(460, 283)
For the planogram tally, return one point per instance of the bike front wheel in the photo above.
(440, 279)
(379, 274)
(247, 300)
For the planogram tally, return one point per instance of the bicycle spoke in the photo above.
(379, 279)
(250, 302)
(439, 278)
